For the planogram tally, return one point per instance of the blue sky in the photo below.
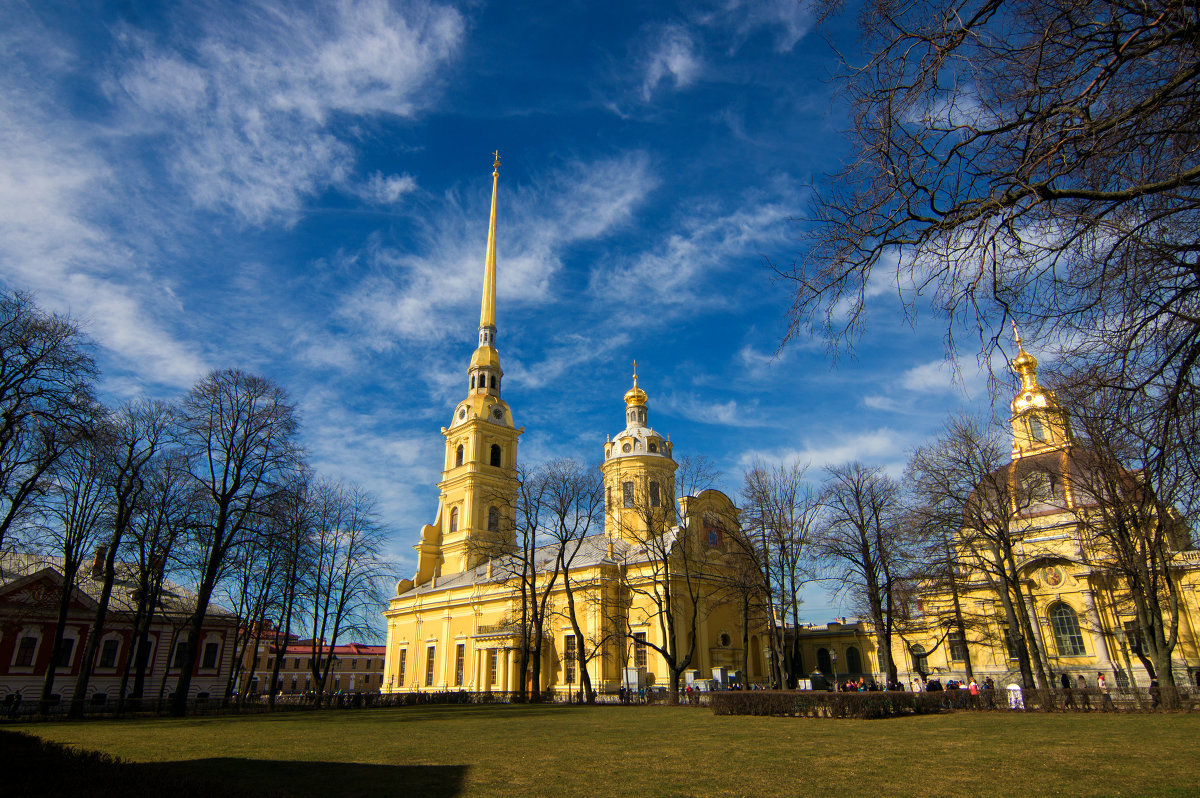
(302, 192)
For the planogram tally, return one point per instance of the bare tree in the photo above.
(779, 513)
(77, 508)
(46, 399)
(341, 591)
(860, 539)
(574, 495)
(129, 440)
(1028, 158)
(169, 509)
(1135, 501)
(965, 481)
(671, 578)
(237, 432)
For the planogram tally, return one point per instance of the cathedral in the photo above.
(642, 598)
(1075, 611)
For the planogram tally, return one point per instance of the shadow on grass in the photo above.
(32, 766)
(276, 777)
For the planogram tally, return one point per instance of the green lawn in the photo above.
(600, 751)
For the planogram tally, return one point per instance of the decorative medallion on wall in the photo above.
(1052, 575)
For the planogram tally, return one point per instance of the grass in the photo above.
(654, 751)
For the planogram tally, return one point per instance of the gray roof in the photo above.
(593, 550)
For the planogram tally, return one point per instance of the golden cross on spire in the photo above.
(1016, 334)
(496, 164)
(635, 373)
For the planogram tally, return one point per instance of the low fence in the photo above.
(886, 704)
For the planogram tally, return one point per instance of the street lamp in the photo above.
(833, 665)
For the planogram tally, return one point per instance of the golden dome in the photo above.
(485, 356)
(635, 395)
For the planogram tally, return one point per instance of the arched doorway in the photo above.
(823, 664)
(853, 660)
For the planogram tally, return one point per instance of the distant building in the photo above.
(356, 668)
(30, 587)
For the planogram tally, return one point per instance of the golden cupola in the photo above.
(1039, 422)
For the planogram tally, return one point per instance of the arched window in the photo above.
(472, 382)
(493, 519)
(823, 664)
(654, 500)
(458, 456)
(496, 454)
(492, 381)
(1036, 430)
(1067, 637)
(853, 660)
(454, 519)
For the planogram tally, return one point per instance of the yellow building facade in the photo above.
(637, 585)
(1080, 614)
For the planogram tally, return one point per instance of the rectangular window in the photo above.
(297, 666)
(639, 649)
(430, 653)
(180, 649)
(956, 646)
(64, 653)
(627, 489)
(569, 655)
(1134, 636)
(1010, 644)
(25, 651)
(493, 665)
(400, 668)
(210, 655)
(460, 659)
(654, 501)
(108, 653)
(293, 684)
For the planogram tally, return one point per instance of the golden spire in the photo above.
(1024, 364)
(487, 311)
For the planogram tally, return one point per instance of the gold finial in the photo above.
(1017, 334)
(635, 374)
(496, 164)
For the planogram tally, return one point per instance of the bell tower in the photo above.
(477, 504)
(1039, 422)
(639, 475)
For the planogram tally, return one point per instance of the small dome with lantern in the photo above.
(637, 439)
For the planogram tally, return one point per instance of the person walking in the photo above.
(1085, 701)
(1105, 699)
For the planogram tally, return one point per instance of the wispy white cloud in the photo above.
(247, 106)
(787, 21)
(409, 293)
(881, 446)
(380, 189)
(679, 271)
(730, 413)
(54, 188)
(670, 59)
